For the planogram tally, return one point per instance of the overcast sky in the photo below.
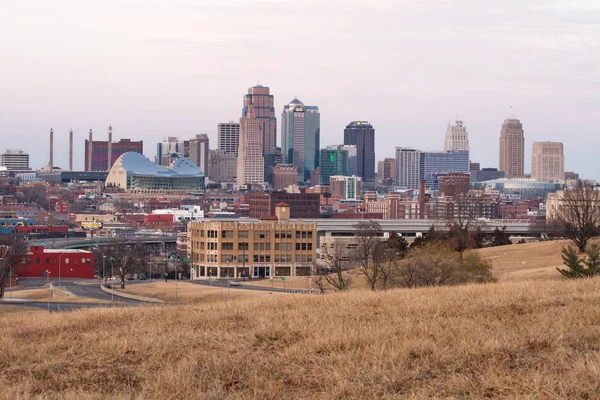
(178, 68)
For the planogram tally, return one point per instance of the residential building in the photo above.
(166, 151)
(100, 152)
(274, 247)
(346, 187)
(548, 162)
(300, 137)
(134, 173)
(228, 137)
(453, 183)
(222, 166)
(456, 137)
(333, 161)
(15, 160)
(362, 135)
(199, 152)
(284, 175)
(408, 167)
(512, 148)
(302, 205)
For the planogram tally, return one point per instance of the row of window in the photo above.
(278, 258)
(212, 233)
(257, 246)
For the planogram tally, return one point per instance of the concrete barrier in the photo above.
(106, 289)
(60, 291)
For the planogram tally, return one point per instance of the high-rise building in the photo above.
(333, 161)
(434, 163)
(199, 152)
(548, 162)
(386, 171)
(228, 137)
(284, 176)
(456, 137)
(168, 149)
(408, 167)
(222, 166)
(260, 106)
(300, 137)
(250, 162)
(15, 160)
(362, 135)
(512, 148)
(99, 153)
(346, 187)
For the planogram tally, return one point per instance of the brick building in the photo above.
(302, 205)
(59, 262)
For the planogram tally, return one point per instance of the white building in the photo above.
(548, 162)
(15, 160)
(456, 137)
(408, 167)
(183, 213)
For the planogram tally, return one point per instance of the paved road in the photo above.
(57, 306)
(93, 291)
(221, 283)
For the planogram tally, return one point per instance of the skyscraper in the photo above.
(259, 105)
(456, 137)
(199, 152)
(548, 162)
(300, 137)
(408, 167)
(362, 135)
(15, 160)
(250, 161)
(166, 149)
(512, 148)
(333, 161)
(228, 137)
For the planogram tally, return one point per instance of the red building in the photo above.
(59, 262)
(302, 205)
(159, 221)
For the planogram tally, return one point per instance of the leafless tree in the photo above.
(12, 252)
(462, 220)
(578, 215)
(368, 235)
(127, 259)
(331, 269)
(385, 260)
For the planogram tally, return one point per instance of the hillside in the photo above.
(520, 339)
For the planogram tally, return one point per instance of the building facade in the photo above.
(512, 148)
(386, 171)
(434, 163)
(284, 176)
(228, 137)
(99, 152)
(346, 187)
(333, 161)
(199, 152)
(300, 137)
(222, 166)
(66, 263)
(362, 135)
(15, 160)
(408, 167)
(456, 137)
(168, 149)
(277, 247)
(548, 162)
(302, 205)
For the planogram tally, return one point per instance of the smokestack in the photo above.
(51, 163)
(109, 147)
(422, 199)
(71, 150)
(90, 144)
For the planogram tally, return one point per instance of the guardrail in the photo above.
(60, 291)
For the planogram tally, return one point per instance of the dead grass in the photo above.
(42, 295)
(192, 293)
(536, 260)
(7, 308)
(534, 339)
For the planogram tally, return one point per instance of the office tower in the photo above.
(15, 160)
(199, 152)
(250, 161)
(548, 162)
(228, 137)
(456, 137)
(168, 149)
(222, 166)
(300, 137)
(512, 148)
(284, 175)
(186, 148)
(408, 167)
(259, 105)
(362, 135)
(386, 171)
(346, 187)
(96, 156)
(434, 163)
(333, 161)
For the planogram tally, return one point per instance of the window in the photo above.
(243, 234)
(227, 246)
(242, 246)
(37, 260)
(227, 234)
(47, 260)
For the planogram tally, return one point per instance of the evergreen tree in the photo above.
(577, 267)
(500, 237)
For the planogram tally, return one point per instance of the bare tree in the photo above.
(331, 269)
(385, 261)
(127, 259)
(12, 251)
(462, 220)
(578, 215)
(368, 235)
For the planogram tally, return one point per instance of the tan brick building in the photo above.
(270, 247)
(512, 149)
(548, 162)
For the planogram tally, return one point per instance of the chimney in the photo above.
(51, 163)
(71, 150)
(109, 148)
(90, 144)
(422, 199)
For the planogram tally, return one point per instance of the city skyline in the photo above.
(537, 57)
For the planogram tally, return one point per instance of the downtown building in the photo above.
(333, 161)
(362, 135)
(222, 166)
(199, 151)
(408, 167)
(386, 171)
(15, 160)
(228, 137)
(457, 137)
(300, 137)
(168, 150)
(100, 149)
(548, 162)
(436, 163)
(512, 149)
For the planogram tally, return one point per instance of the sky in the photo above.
(177, 68)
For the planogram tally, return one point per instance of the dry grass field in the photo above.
(42, 295)
(534, 339)
(191, 293)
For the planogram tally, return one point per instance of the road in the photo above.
(221, 283)
(57, 306)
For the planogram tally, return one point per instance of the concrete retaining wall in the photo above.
(106, 289)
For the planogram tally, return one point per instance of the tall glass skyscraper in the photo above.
(362, 135)
(333, 161)
(300, 137)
